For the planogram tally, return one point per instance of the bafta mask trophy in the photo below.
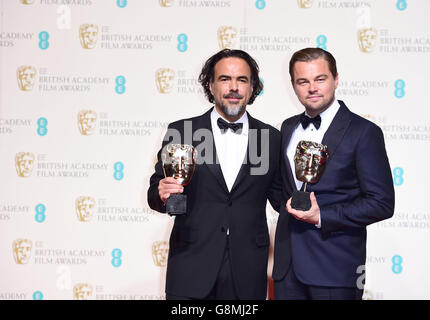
(179, 163)
(310, 160)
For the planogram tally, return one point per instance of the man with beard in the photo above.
(219, 248)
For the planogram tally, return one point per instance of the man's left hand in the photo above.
(310, 216)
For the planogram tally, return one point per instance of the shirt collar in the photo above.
(328, 114)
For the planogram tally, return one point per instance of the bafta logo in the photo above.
(22, 250)
(164, 79)
(226, 37)
(369, 117)
(82, 291)
(305, 4)
(87, 120)
(160, 251)
(367, 295)
(166, 3)
(26, 76)
(88, 35)
(310, 160)
(84, 208)
(24, 163)
(27, 1)
(367, 39)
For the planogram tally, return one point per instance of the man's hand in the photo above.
(310, 216)
(167, 186)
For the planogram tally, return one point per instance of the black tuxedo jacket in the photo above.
(355, 190)
(199, 238)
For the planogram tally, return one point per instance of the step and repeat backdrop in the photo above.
(88, 88)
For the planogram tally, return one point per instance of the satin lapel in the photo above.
(337, 129)
(287, 132)
(213, 163)
(246, 165)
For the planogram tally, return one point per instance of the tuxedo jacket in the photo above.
(355, 190)
(199, 238)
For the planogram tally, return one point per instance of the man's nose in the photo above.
(234, 85)
(313, 87)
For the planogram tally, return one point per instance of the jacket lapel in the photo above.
(337, 129)
(245, 168)
(213, 163)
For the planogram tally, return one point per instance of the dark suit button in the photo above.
(230, 203)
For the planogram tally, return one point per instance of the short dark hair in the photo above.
(310, 54)
(207, 73)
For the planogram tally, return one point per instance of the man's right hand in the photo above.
(167, 186)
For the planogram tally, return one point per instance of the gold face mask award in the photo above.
(310, 161)
(179, 163)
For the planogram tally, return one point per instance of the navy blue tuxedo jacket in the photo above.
(199, 238)
(355, 190)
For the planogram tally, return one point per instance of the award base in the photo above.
(301, 200)
(176, 204)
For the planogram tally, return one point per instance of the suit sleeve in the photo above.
(275, 194)
(376, 197)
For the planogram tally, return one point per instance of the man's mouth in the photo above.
(314, 97)
(233, 96)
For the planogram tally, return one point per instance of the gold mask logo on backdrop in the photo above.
(305, 4)
(22, 250)
(85, 208)
(88, 34)
(27, 1)
(226, 37)
(369, 117)
(160, 251)
(166, 3)
(26, 76)
(24, 163)
(82, 291)
(367, 39)
(164, 79)
(87, 122)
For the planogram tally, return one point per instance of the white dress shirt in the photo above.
(310, 134)
(230, 147)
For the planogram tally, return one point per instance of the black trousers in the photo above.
(223, 289)
(290, 288)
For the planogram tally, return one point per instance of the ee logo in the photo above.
(43, 37)
(260, 4)
(40, 213)
(37, 295)
(401, 5)
(118, 168)
(121, 3)
(399, 86)
(182, 42)
(120, 84)
(322, 42)
(42, 130)
(116, 258)
(397, 264)
(398, 176)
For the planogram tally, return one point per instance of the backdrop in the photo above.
(88, 88)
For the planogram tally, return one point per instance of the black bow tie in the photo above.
(305, 121)
(224, 125)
